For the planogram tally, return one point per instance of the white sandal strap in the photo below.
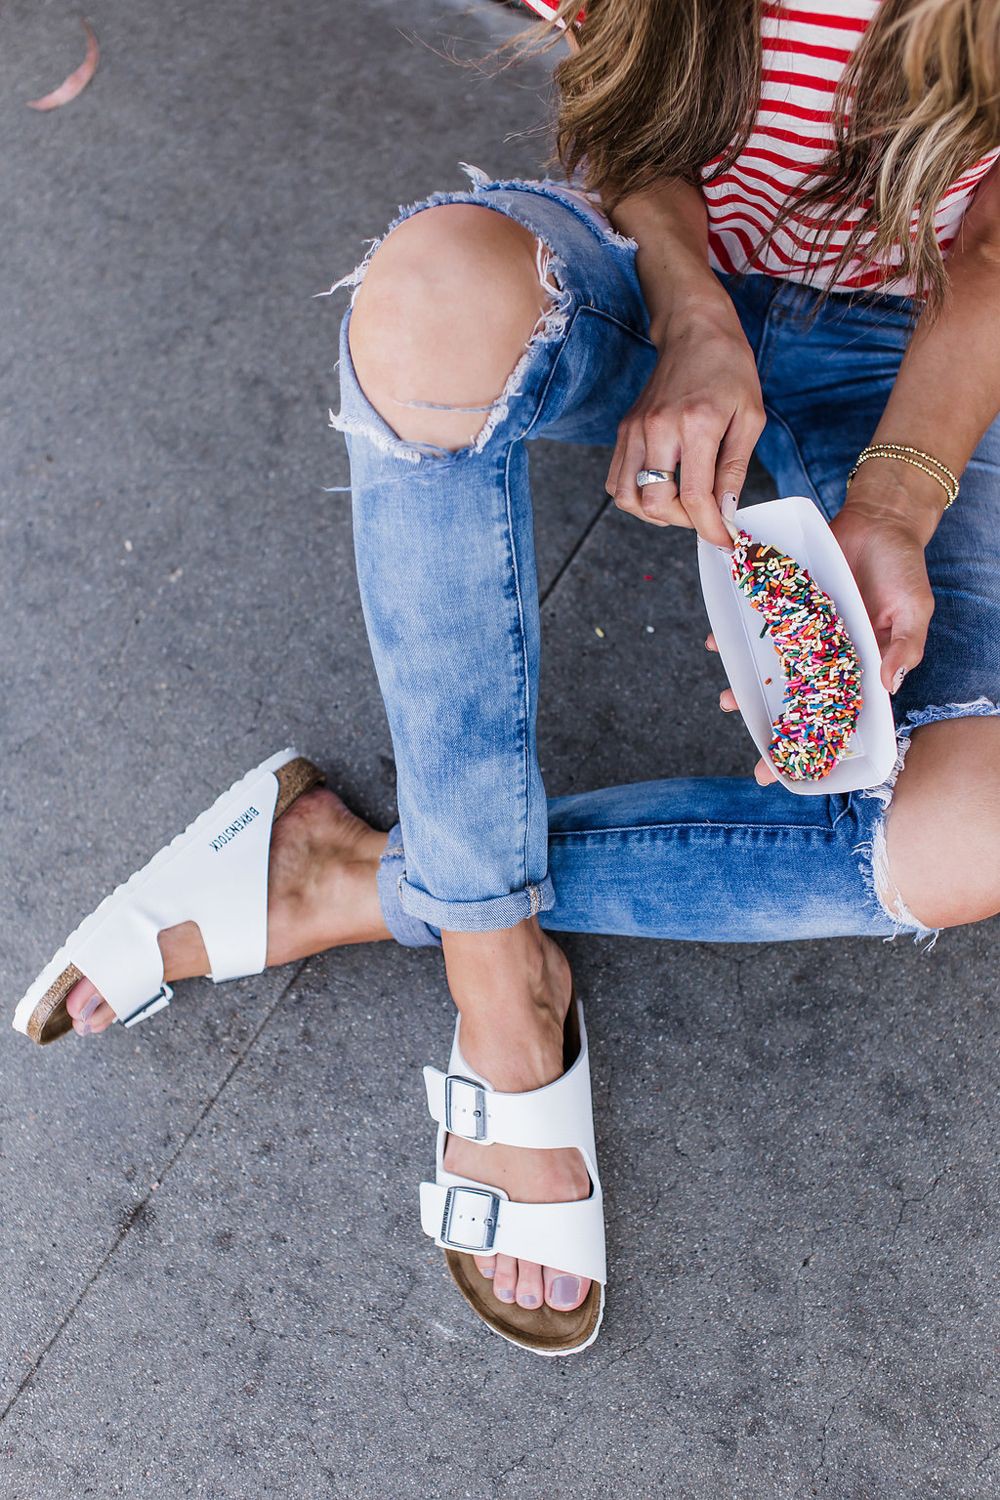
(462, 1214)
(477, 1220)
(560, 1114)
(217, 878)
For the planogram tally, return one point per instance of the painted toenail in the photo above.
(487, 1270)
(89, 1008)
(565, 1290)
(504, 1294)
(529, 1300)
(83, 1030)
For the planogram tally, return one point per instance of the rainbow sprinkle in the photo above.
(822, 670)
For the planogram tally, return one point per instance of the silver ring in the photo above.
(653, 476)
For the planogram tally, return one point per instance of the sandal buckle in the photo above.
(472, 1213)
(464, 1108)
(163, 997)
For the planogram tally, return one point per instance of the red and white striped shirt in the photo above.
(805, 45)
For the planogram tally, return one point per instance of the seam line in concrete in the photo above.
(135, 1212)
(574, 551)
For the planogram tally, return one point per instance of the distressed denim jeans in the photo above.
(446, 567)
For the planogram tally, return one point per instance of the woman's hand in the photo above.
(703, 409)
(883, 540)
(885, 549)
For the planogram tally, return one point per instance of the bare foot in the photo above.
(322, 893)
(513, 1035)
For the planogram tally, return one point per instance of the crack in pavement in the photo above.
(137, 1211)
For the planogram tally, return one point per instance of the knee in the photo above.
(943, 825)
(448, 302)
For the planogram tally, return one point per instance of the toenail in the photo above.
(504, 1293)
(487, 1270)
(565, 1290)
(84, 1029)
(89, 1008)
(529, 1300)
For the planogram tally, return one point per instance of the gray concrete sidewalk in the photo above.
(212, 1278)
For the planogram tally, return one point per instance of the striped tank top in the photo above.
(805, 46)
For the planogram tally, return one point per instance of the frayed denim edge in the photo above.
(552, 323)
(873, 852)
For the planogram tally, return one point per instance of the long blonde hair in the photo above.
(659, 88)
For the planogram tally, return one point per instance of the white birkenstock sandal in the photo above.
(214, 873)
(469, 1218)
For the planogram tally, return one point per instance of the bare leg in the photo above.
(448, 304)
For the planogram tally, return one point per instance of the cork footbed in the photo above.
(50, 1019)
(539, 1328)
(533, 1327)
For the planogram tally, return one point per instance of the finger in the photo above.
(710, 643)
(762, 774)
(626, 492)
(614, 467)
(659, 501)
(736, 450)
(700, 439)
(727, 701)
(906, 644)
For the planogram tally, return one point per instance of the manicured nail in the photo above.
(504, 1294)
(487, 1270)
(565, 1290)
(729, 503)
(529, 1300)
(897, 681)
(89, 1008)
(83, 1030)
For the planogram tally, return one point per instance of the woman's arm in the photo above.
(702, 407)
(946, 394)
(947, 391)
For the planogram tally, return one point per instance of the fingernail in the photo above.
(529, 1300)
(565, 1290)
(897, 681)
(730, 501)
(487, 1271)
(89, 1008)
(504, 1294)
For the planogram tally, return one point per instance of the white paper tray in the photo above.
(796, 526)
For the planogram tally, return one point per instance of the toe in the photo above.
(88, 1012)
(530, 1290)
(486, 1265)
(505, 1279)
(563, 1291)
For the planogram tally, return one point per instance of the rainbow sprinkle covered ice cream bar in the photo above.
(822, 669)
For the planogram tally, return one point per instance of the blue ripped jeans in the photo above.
(446, 565)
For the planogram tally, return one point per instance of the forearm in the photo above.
(669, 224)
(947, 391)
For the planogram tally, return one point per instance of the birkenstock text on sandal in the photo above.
(214, 873)
(468, 1218)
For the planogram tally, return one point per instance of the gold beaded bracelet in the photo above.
(907, 455)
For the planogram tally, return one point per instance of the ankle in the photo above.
(518, 971)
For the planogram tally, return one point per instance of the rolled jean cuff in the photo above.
(407, 930)
(489, 915)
